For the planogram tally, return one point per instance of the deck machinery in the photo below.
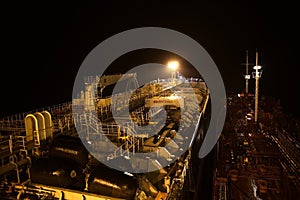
(255, 160)
(68, 151)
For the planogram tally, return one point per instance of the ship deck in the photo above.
(250, 162)
(20, 150)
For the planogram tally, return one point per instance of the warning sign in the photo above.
(176, 101)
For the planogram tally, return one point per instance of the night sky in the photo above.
(43, 45)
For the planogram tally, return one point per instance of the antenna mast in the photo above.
(247, 76)
(256, 75)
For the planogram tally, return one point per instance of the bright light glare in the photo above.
(257, 67)
(173, 65)
(127, 173)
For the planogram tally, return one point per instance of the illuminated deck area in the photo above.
(251, 162)
(43, 157)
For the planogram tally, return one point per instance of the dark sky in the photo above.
(44, 44)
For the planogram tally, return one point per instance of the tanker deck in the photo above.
(130, 145)
(255, 160)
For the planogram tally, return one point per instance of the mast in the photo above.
(247, 76)
(257, 75)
